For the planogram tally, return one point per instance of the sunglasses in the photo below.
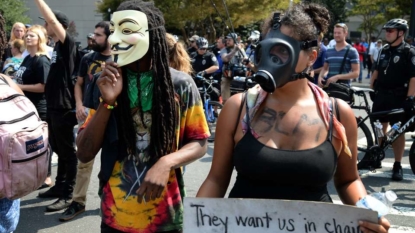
(203, 49)
(389, 30)
(342, 25)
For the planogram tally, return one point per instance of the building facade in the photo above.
(82, 12)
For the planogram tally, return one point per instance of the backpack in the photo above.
(24, 145)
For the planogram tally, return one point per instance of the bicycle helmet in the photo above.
(234, 36)
(399, 24)
(202, 43)
(254, 36)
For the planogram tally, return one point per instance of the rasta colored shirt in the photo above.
(120, 209)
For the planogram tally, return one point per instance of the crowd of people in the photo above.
(133, 96)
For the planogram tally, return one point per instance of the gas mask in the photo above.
(276, 57)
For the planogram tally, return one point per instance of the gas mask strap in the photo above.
(302, 74)
(276, 21)
(308, 44)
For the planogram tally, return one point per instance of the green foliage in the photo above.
(108, 4)
(14, 11)
(188, 17)
(375, 13)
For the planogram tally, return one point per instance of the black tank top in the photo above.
(269, 173)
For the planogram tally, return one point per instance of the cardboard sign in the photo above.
(205, 215)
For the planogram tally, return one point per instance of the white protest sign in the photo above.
(205, 215)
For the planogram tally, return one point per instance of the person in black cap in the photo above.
(59, 92)
(90, 44)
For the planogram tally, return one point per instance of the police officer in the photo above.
(394, 83)
(203, 62)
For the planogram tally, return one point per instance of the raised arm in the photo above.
(50, 19)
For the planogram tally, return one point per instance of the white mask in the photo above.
(129, 39)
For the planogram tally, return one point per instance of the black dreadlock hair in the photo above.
(3, 37)
(163, 113)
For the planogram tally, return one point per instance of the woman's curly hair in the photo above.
(307, 21)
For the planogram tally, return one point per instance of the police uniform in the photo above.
(203, 62)
(395, 68)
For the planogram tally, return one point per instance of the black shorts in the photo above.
(369, 63)
(385, 101)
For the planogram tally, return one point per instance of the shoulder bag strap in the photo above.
(330, 132)
(344, 59)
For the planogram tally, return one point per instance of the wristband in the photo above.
(107, 106)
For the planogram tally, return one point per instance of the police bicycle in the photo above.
(211, 108)
(374, 151)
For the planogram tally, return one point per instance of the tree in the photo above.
(72, 29)
(200, 16)
(375, 13)
(14, 11)
(369, 11)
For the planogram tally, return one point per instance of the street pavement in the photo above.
(34, 219)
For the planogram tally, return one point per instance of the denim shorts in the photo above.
(9, 215)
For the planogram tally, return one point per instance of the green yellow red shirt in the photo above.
(120, 209)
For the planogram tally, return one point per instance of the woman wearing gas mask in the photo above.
(285, 142)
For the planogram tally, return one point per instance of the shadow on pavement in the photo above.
(208, 156)
(43, 220)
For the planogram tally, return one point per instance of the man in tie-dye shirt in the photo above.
(149, 122)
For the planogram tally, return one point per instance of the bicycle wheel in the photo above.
(365, 138)
(412, 157)
(214, 108)
(212, 113)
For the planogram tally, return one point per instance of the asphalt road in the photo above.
(34, 219)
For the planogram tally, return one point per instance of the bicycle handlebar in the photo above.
(205, 80)
(210, 80)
